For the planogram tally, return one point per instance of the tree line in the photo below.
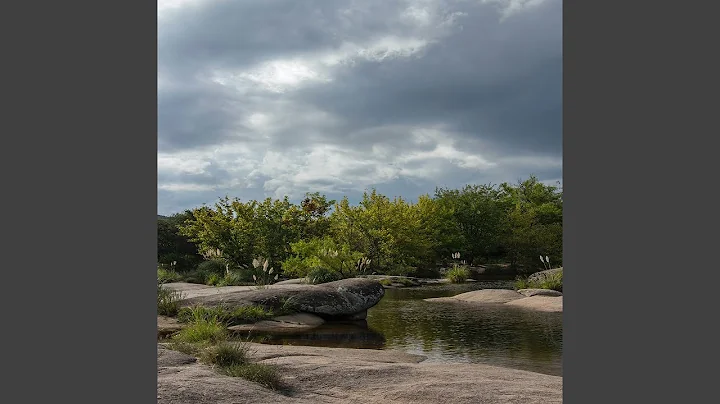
(506, 223)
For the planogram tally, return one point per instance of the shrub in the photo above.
(320, 275)
(168, 301)
(197, 276)
(209, 331)
(167, 276)
(213, 266)
(262, 374)
(458, 274)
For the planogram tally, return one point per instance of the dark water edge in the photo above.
(448, 332)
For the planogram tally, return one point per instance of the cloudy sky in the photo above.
(264, 98)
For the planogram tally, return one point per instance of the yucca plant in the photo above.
(265, 277)
(362, 265)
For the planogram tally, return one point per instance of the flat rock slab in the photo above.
(539, 292)
(481, 296)
(168, 326)
(540, 303)
(338, 375)
(342, 298)
(293, 323)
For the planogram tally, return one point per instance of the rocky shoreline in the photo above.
(342, 375)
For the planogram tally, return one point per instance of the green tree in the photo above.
(175, 247)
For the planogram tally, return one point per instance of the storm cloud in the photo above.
(264, 98)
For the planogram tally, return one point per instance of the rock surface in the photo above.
(338, 375)
(339, 299)
(539, 276)
(541, 303)
(539, 292)
(167, 326)
(292, 323)
(481, 296)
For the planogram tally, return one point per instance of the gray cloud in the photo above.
(276, 97)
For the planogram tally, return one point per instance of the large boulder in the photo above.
(339, 299)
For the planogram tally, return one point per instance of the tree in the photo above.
(173, 246)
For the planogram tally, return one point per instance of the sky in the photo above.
(268, 98)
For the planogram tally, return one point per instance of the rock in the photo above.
(167, 326)
(365, 376)
(166, 357)
(540, 303)
(539, 276)
(481, 296)
(539, 292)
(331, 300)
(293, 323)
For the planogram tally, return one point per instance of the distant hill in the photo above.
(163, 217)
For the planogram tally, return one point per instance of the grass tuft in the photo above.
(225, 315)
(226, 354)
(209, 331)
(458, 274)
(265, 375)
(552, 281)
(168, 301)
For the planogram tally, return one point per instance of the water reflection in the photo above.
(449, 332)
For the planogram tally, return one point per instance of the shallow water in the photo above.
(449, 332)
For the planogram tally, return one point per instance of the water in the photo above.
(449, 332)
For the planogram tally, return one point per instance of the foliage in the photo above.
(265, 375)
(168, 301)
(321, 256)
(212, 266)
(226, 315)
(458, 274)
(173, 246)
(168, 276)
(320, 275)
(506, 223)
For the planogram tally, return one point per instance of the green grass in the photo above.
(225, 315)
(168, 301)
(226, 354)
(262, 374)
(552, 282)
(458, 274)
(385, 282)
(202, 331)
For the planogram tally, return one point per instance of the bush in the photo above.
(262, 374)
(320, 275)
(197, 276)
(168, 301)
(212, 266)
(208, 331)
(458, 274)
(225, 315)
